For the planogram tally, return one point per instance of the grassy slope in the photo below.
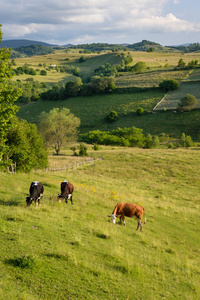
(92, 111)
(76, 252)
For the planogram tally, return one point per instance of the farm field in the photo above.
(93, 110)
(156, 62)
(189, 86)
(60, 251)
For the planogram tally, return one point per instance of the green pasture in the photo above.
(93, 110)
(60, 251)
(155, 62)
(173, 98)
(150, 78)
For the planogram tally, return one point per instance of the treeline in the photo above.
(133, 137)
(97, 85)
(34, 50)
(126, 137)
(98, 47)
(190, 48)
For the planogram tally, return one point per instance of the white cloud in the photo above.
(80, 20)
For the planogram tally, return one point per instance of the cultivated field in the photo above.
(60, 251)
(191, 85)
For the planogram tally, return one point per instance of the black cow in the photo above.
(67, 189)
(36, 191)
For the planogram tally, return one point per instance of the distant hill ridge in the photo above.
(144, 45)
(20, 43)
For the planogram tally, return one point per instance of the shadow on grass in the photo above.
(56, 256)
(9, 203)
(24, 262)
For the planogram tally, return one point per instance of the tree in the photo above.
(169, 85)
(8, 95)
(112, 117)
(181, 63)
(139, 67)
(25, 146)
(188, 103)
(58, 127)
(140, 111)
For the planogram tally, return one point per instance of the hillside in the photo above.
(64, 251)
(20, 43)
(144, 45)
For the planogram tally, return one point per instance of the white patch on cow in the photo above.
(69, 196)
(113, 217)
(65, 181)
(35, 183)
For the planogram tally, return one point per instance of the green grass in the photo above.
(60, 251)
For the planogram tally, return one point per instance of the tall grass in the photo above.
(64, 251)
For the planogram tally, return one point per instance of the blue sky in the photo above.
(168, 22)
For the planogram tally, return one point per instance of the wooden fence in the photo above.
(76, 165)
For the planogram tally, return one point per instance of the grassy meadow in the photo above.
(60, 251)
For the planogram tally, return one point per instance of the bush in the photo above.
(169, 85)
(188, 103)
(112, 117)
(43, 72)
(82, 150)
(186, 140)
(95, 147)
(139, 67)
(140, 111)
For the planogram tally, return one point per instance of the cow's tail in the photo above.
(145, 220)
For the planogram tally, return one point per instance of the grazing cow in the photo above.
(130, 210)
(67, 189)
(36, 191)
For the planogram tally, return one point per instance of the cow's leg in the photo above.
(71, 200)
(66, 199)
(123, 220)
(139, 224)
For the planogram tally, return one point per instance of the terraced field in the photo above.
(191, 86)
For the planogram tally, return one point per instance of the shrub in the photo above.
(95, 147)
(169, 85)
(140, 111)
(188, 103)
(139, 67)
(186, 140)
(43, 72)
(82, 150)
(112, 117)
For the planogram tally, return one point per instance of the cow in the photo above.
(67, 189)
(36, 191)
(130, 210)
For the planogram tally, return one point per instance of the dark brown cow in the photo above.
(130, 210)
(67, 189)
(36, 191)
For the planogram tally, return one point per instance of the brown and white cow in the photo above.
(130, 210)
(36, 191)
(67, 189)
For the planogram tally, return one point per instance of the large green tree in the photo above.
(25, 146)
(8, 95)
(19, 140)
(59, 127)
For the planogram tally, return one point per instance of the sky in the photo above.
(61, 22)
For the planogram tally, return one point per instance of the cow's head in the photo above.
(28, 200)
(113, 218)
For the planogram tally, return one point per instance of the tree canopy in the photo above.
(8, 95)
(58, 127)
(19, 140)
